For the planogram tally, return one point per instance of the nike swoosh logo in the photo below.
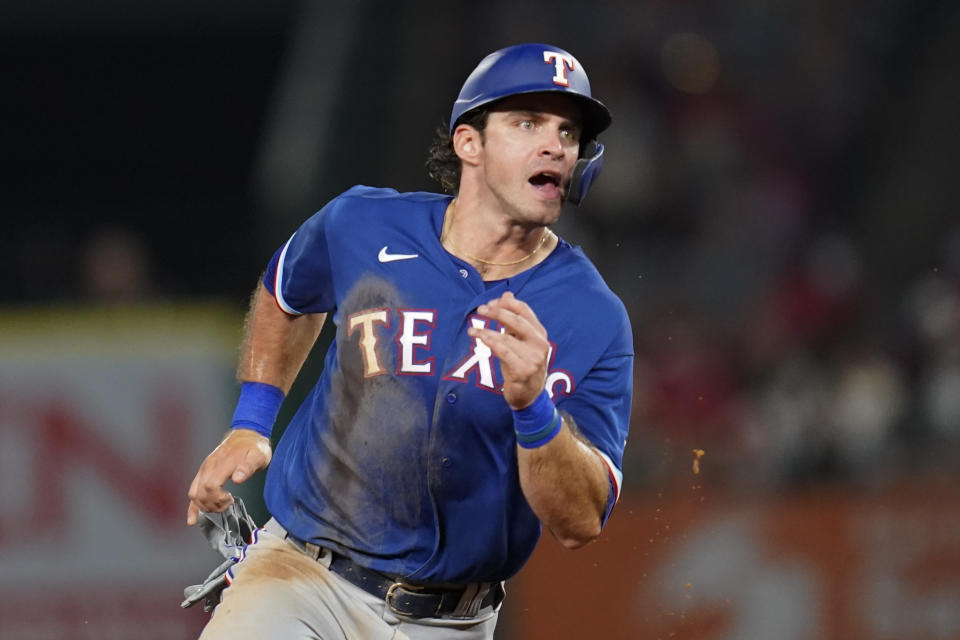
(383, 256)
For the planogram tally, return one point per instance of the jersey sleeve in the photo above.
(299, 275)
(601, 404)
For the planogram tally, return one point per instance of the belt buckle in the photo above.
(391, 595)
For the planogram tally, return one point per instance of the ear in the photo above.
(467, 144)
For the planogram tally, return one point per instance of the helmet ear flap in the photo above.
(585, 171)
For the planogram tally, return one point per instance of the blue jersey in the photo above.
(403, 456)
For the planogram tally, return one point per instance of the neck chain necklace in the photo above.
(445, 238)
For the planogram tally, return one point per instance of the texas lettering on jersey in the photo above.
(413, 343)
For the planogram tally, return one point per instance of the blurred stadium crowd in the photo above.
(795, 288)
(777, 208)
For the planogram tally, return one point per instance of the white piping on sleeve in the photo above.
(615, 473)
(278, 282)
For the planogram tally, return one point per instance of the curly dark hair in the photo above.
(443, 163)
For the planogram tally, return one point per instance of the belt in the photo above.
(404, 598)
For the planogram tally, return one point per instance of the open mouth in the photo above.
(547, 182)
(544, 178)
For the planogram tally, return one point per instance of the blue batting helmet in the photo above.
(538, 68)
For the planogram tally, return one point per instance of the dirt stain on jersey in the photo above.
(376, 447)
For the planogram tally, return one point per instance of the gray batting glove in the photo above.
(228, 532)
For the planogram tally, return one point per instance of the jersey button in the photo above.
(445, 462)
(464, 273)
(452, 398)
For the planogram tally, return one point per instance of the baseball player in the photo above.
(478, 388)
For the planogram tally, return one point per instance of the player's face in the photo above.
(531, 144)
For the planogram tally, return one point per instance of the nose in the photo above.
(552, 143)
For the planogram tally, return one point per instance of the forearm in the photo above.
(565, 483)
(563, 479)
(276, 344)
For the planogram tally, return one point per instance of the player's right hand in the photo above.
(239, 456)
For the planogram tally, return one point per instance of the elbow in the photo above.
(579, 537)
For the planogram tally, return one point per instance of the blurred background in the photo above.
(777, 210)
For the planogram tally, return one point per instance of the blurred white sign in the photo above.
(104, 418)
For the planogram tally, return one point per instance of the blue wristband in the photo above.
(537, 424)
(257, 407)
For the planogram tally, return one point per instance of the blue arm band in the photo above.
(257, 407)
(537, 424)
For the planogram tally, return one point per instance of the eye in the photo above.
(570, 134)
(528, 125)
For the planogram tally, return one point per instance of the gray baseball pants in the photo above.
(279, 592)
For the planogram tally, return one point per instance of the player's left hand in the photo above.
(522, 348)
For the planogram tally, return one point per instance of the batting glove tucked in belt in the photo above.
(227, 532)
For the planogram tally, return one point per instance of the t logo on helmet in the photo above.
(560, 62)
